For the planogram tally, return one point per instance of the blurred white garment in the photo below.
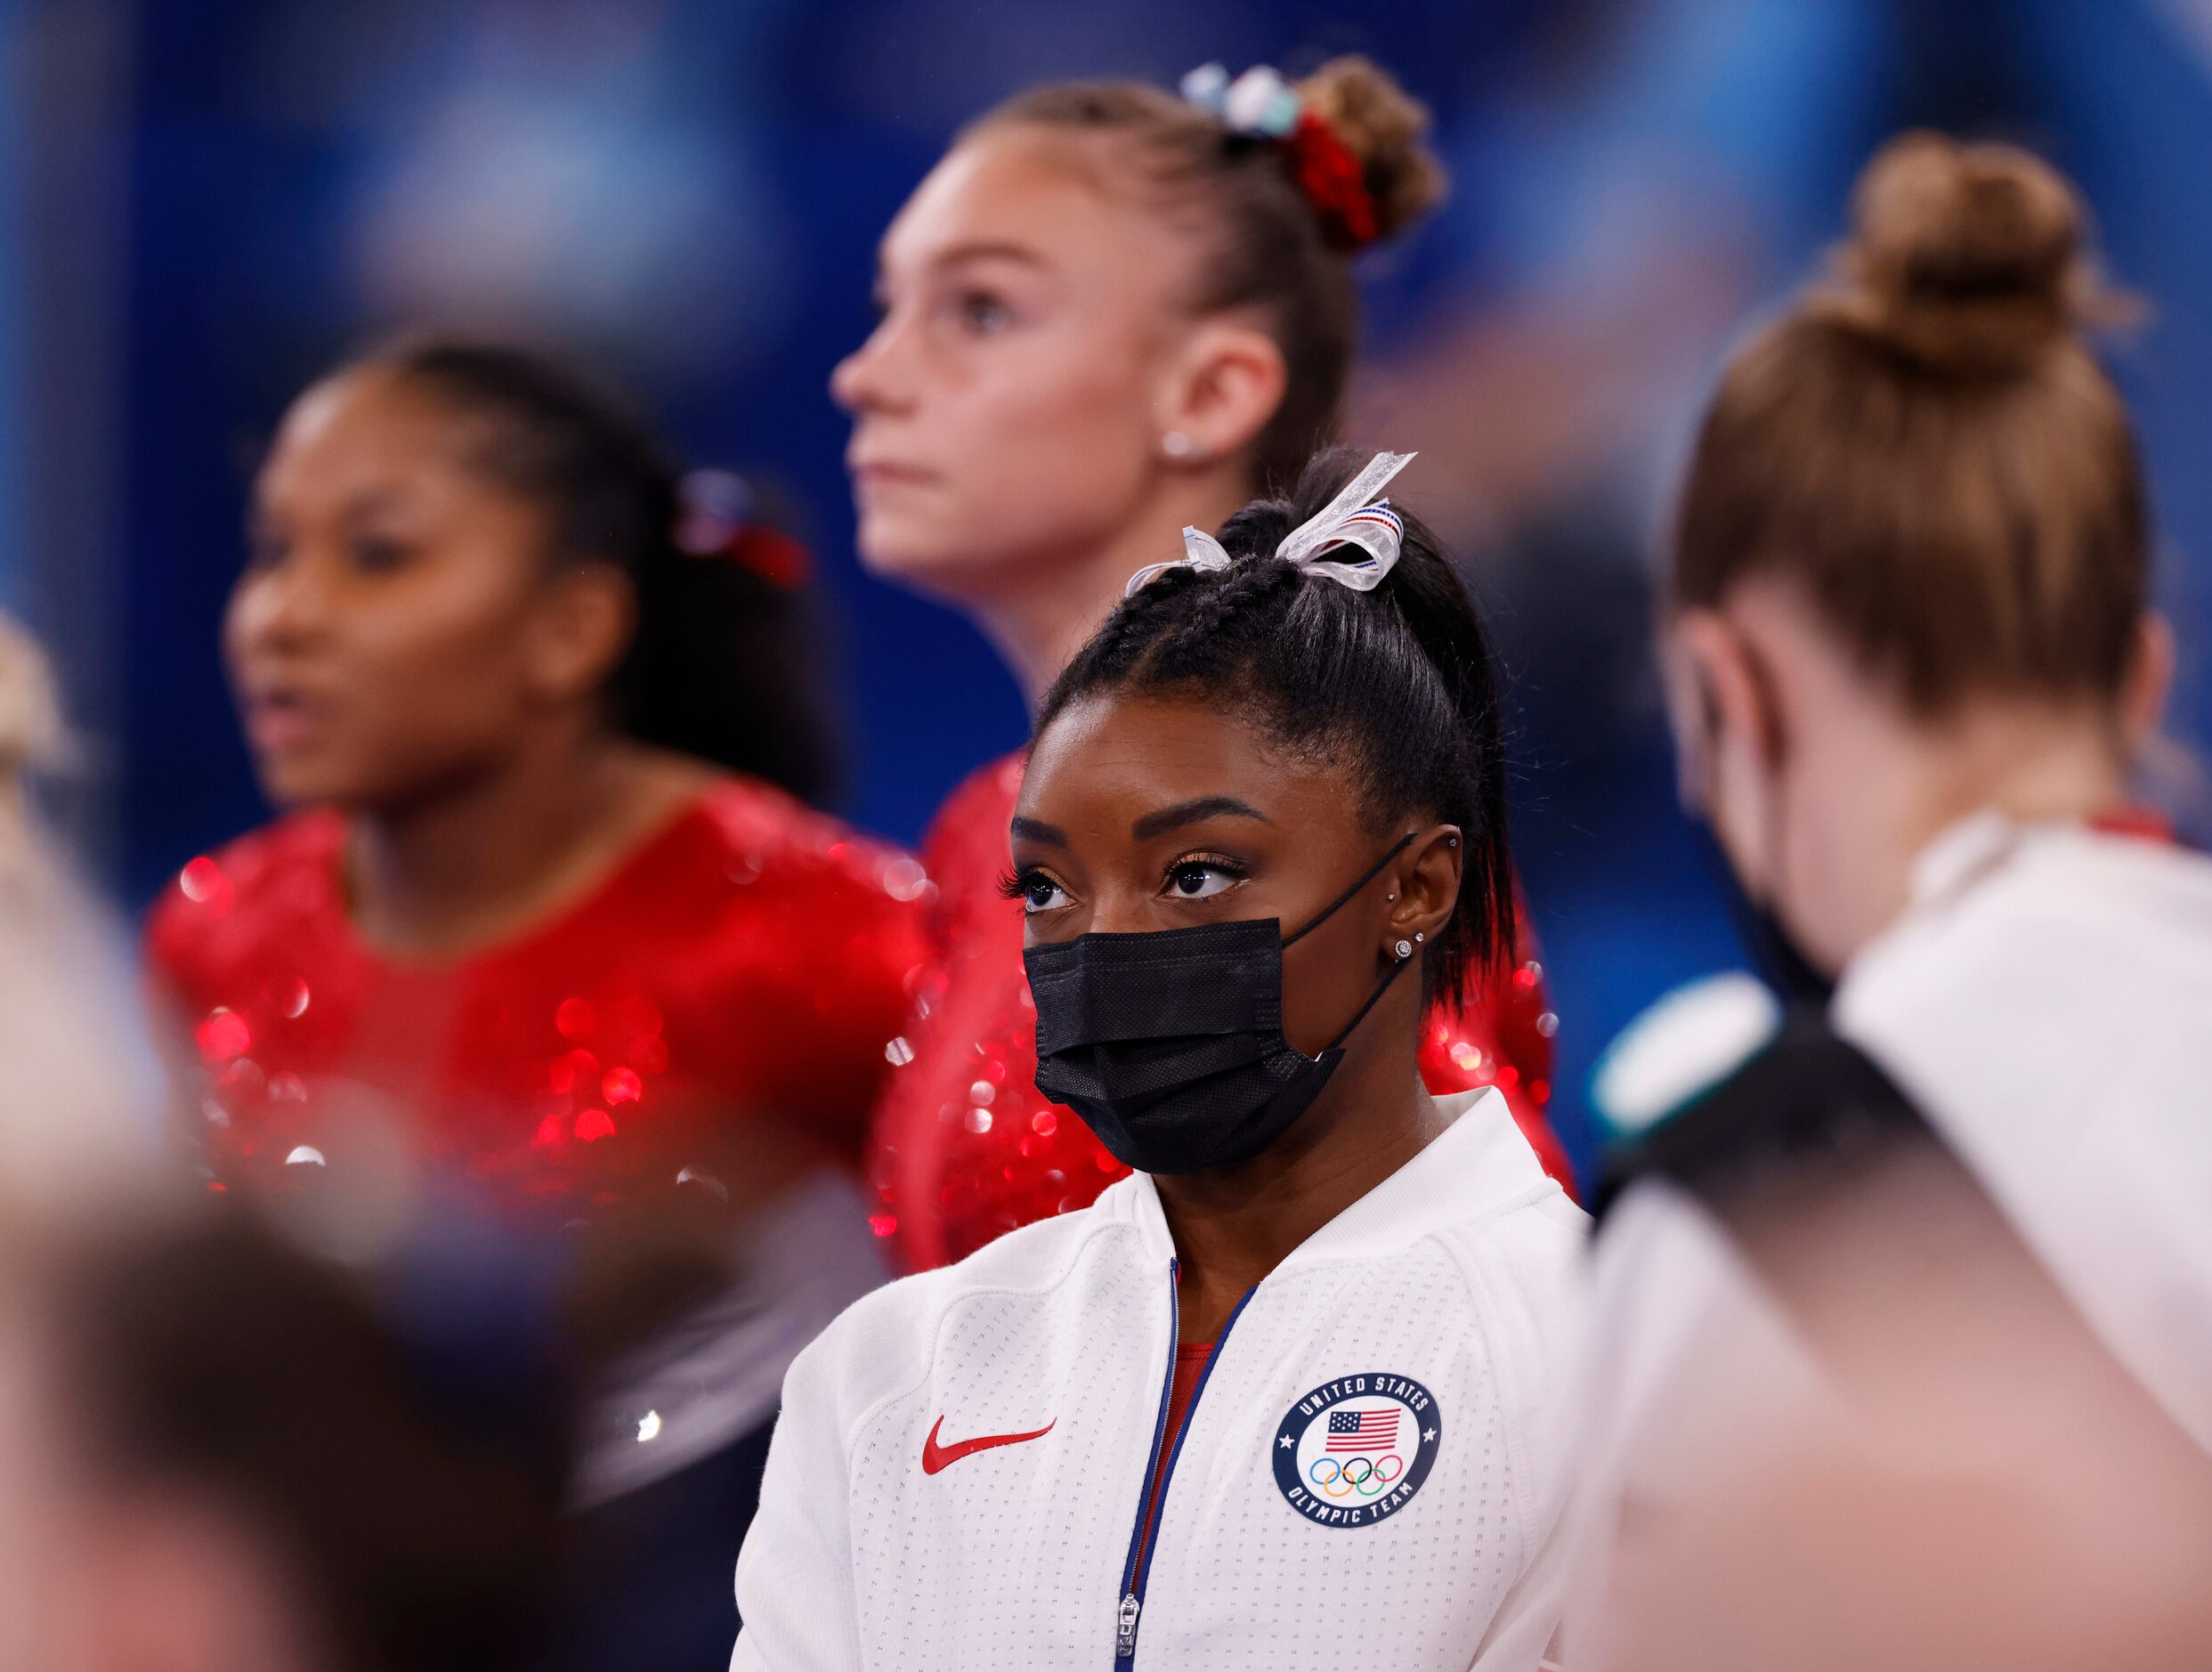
(2046, 1003)
(715, 1373)
(79, 1085)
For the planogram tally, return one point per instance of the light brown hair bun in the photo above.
(1927, 447)
(1967, 257)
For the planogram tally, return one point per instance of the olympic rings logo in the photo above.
(1364, 1480)
(1341, 1482)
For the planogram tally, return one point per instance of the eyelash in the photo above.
(1235, 870)
(379, 556)
(1014, 884)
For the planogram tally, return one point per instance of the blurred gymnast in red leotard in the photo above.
(539, 939)
(1109, 313)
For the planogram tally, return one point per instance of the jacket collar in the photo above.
(1970, 847)
(1960, 855)
(1476, 1166)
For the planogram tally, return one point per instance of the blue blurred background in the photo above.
(203, 204)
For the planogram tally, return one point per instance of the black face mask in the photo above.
(1170, 1044)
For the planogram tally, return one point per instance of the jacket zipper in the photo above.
(1138, 1570)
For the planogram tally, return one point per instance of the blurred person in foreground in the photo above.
(1108, 314)
(79, 1086)
(214, 1457)
(1905, 1346)
(1292, 1393)
(540, 948)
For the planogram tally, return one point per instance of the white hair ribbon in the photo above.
(1201, 550)
(1355, 518)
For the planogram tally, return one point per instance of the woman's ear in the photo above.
(1722, 699)
(1221, 389)
(1425, 881)
(2150, 677)
(581, 631)
(1731, 730)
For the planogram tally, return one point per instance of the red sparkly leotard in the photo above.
(966, 1148)
(747, 962)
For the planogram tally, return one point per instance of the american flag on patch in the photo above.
(1373, 1430)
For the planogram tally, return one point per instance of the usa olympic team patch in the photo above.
(1354, 1452)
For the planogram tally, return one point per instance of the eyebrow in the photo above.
(1184, 812)
(960, 254)
(372, 501)
(1030, 830)
(989, 250)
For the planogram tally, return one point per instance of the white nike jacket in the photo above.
(1371, 1474)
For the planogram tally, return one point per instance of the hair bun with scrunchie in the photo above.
(1350, 139)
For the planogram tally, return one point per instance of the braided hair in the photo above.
(1395, 685)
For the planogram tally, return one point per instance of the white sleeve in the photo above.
(795, 1573)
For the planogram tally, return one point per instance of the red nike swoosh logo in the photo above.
(934, 1456)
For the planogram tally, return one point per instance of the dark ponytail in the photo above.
(1397, 682)
(725, 664)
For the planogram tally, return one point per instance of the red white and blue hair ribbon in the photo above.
(1356, 517)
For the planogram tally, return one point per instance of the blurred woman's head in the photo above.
(459, 551)
(1260, 741)
(1102, 300)
(1910, 565)
(220, 1459)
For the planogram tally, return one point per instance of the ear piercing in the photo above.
(1175, 444)
(1405, 949)
(1419, 934)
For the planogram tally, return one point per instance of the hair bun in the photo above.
(1382, 126)
(1967, 257)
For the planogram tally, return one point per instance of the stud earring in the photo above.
(1419, 934)
(1405, 949)
(1175, 444)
